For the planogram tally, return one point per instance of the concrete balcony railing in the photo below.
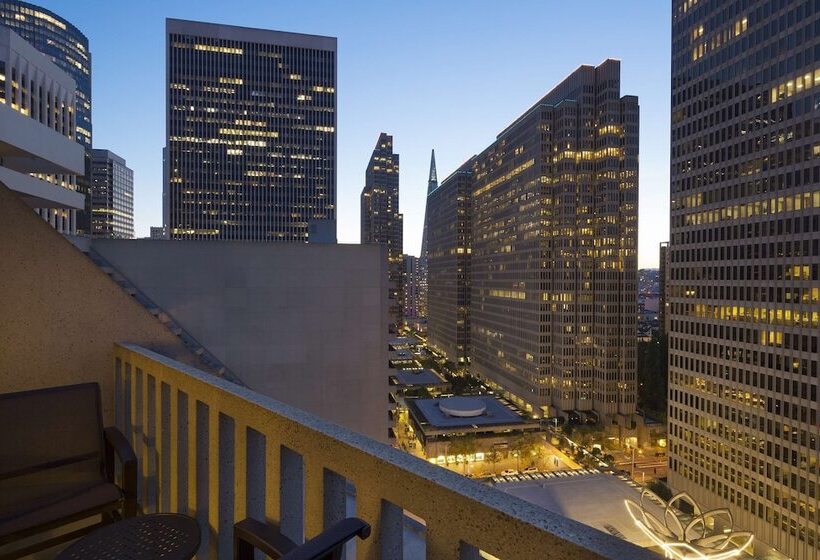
(221, 452)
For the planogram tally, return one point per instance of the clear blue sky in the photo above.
(439, 74)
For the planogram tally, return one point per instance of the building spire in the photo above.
(432, 181)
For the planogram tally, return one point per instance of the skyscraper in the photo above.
(744, 278)
(449, 242)
(67, 47)
(663, 287)
(381, 221)
(411, 289)
(38, 152)
(432, 184)
(554, 253)
(112, 196)
(251, 133)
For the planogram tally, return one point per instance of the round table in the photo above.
(169, 536)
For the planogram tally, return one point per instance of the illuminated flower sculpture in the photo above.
(701, 535)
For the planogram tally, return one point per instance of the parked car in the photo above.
(509, 472)
(530, 470)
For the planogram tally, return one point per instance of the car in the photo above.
(530, 470)
(509, 472)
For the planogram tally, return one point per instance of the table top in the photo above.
(166, 536)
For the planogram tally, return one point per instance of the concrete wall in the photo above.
(302, 323)
(60, 315)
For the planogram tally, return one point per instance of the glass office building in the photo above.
(744, 265)
(251, 134)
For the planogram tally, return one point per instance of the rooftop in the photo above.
(494, 413)
(594, 499)
(414, 378)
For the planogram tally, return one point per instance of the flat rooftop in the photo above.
(596, 500)
(413, 378)
(495, 413)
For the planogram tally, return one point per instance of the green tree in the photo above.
(493, 457)
(463, 446)
(526, 446)
(661, 489)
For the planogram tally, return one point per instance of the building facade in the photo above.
(449, 241)
(157, 232)
(112, 196)
(744, 268)
(663, 298)
(432, 184)
(251, 133)
(381, 221)
(412, 275)
(39, 156)
(554, 252)
(67, 47)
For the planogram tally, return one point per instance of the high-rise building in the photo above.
(112, 196)
(381, 221)
(158, 232)
(554, 253)
(744, 278)
(251, 133)
(38, 154)
(432, 184)
(663, 287)
(449, 240)
(67, 47)
(411, 289)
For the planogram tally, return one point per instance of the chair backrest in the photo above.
(51, 446)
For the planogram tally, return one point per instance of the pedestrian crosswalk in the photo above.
(543, 475)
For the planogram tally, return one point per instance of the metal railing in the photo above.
(221, 452)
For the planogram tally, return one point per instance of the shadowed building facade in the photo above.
(449, 237)
(251, 134)
(381, 221)
(554, 252)
(744, 267)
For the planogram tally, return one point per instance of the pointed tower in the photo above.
(432, 181)
(432, 184)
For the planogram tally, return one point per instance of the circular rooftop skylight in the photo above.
(462, 407)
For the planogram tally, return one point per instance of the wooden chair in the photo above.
(250, 534)
(57, 466)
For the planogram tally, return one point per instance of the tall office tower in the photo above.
(112, 196)
(554, 254)
(411, 289)
(449, 239)
(68, 49)
(38, 154)
(250, 134)
(381, 221)
(744, 277)
(432, 184)
(663, 287)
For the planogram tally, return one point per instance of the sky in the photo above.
(447, 75)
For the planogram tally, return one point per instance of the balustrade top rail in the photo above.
(221, 452)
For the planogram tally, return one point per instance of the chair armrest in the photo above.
(115, 443)
(330, 540)
(250, 534)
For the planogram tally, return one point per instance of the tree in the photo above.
(462, 446)
(660, 489)
(493, 457)
(526, 445)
